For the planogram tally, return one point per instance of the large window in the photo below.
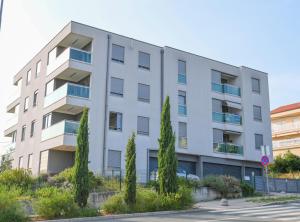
(257, 113)
(38, 68)
(143, 92)
(115, 121)
(26, 104)
(144, 60)
(114, 159)
(49, 87)
(259, 141)
(182, 103)
(28, 79)
(181, 71)
(116, 86)
(23, 133)
(51, 56)
(35, 98)
(32, 129)
(30, 160)
(182, 134)
(255, 85)
(20, 165)
(143, 125)
(44, 161)
(117, 53)
(47, 120)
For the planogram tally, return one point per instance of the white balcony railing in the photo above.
(287, 143)
(64, 127)
(12, 121)
(286, 127)
(69, 53)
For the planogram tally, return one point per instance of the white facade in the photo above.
(82, 68)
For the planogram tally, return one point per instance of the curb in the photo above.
(119, 216)
(281, 202)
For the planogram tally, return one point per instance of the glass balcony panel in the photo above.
(182, 78)
(226, 88)
(218, 117)
(60, 128)
(78, 90)
(217, 87)
(80, 55)
(182, 110)
(228, 148)
(227, 118)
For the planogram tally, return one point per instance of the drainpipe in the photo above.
(106, 105)
(161, 78)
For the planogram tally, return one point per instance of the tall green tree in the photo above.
(167, 160)
(81, 178)
(130, 177)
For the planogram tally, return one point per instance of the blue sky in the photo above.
(263, 35)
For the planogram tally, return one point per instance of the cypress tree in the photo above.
(167, 161)
(81, 178)
(130, 177)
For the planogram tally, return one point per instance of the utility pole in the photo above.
(1, 10)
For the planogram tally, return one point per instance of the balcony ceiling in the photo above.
(70, 109)
(74, 75)
(75, 40)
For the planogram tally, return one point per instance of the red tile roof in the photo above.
(286, 108)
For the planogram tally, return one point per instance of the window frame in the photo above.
(23, 133)
(115, 93)
(257, 119)
(38, 68)
(119, 129)
(26, 104)
(32, 128)
(116, 59)
(28, 76)
(146, 100)
(262, 140)
(139, 60)
(35, 98)
(252, 85)
(140, 132)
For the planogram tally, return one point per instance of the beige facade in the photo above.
(286, 129)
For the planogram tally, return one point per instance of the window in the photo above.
(143, 92)
(20, 162)
(47, 120)
(255, 85)
(144, 60)
(257, 113)
(181, 72)
(44, 161)
(116, 86)
(51, 56)
(14, 137)
(182, 134)
(35, 97)
(38, 68)
(32, 128)
(115, 121)
(117, 53)
(30, 160)
(182, 103)
(28, 77)
(26, 104)
(143, 125)
(23, 133)
(259, 141)
(49, 87)
(114, 159)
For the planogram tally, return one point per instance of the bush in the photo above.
(247, 189)
(148, 200)
(10, 208)
(227, 186)
(19, 178)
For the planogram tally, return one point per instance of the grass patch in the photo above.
(274, 199)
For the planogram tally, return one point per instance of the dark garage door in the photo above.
(221, 169)
(249, 170)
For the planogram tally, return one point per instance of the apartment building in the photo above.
(286, 129)
(219, 112)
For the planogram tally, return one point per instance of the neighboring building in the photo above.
(220, 113)
(286, 129)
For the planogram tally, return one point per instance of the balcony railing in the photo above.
(227, 118)
(10, 146)
(68, 89)
(69, 53)
(287, 143)
(226, 88)
(182, 78)
(12, 121)
(228, 148)
(64, 127)
(182, 110)
(182, 141)
(286, 127)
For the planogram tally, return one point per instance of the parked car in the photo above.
(180, 173)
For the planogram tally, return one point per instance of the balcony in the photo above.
(289, 143)
(182, 142)
(69, 54)
(68, 89)
(65, 127)
(182, 110)
(226, 89)
(181, 78)
(11, 125)
(228, 148)
(286, 128)
(227, 118)
(10, 146)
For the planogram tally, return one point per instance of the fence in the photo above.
(276, 185)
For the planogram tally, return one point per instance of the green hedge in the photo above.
(19, 178)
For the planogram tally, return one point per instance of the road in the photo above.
(286, 212)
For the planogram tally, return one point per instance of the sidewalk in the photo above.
(233, 204)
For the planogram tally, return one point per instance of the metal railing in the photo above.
(226, 88)
(227, 118)
(287, 143)
(228, 148)
(286, 127)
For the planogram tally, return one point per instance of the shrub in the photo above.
(10, 208)
(54, 203)
(247, 189)
(19, 178)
